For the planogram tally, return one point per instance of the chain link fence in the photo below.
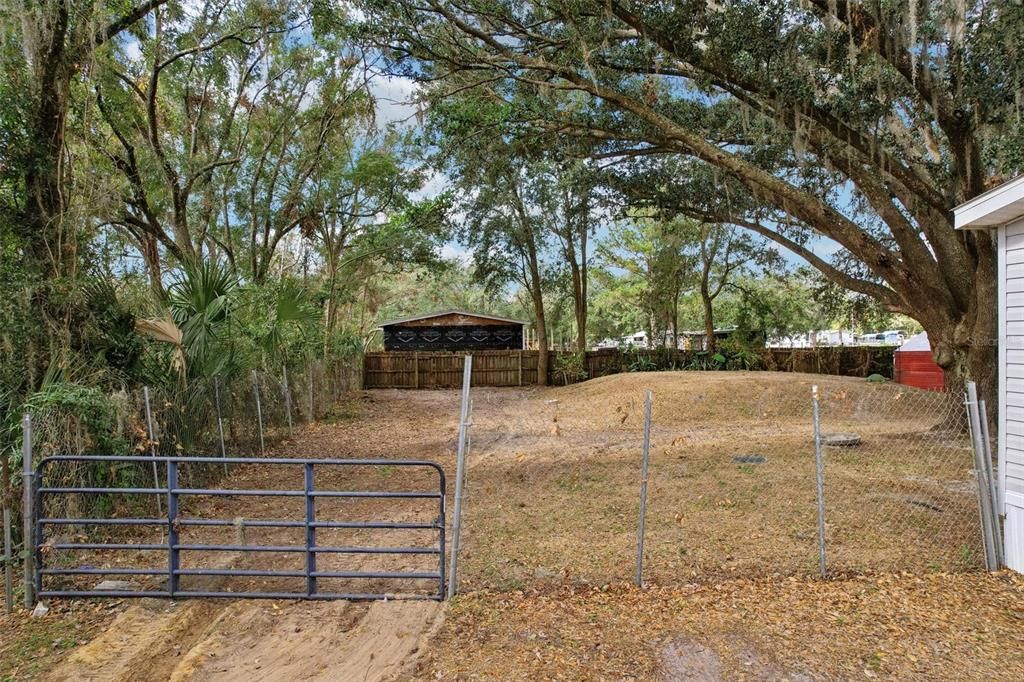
(901, 491)
(554, 480)
(551, 488)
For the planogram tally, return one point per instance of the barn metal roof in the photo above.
(450, 311)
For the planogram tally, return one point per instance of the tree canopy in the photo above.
(860, 123)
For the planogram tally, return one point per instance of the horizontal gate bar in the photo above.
(104, 593)
(227, 492)
(248, 523)
(102, 571)
(239, 548)
(374, 524)
(376, 550)
(100, 545)
(376, 574)
(228, 572)
(187, 594)
(241, 572)
(218, 461)
(403, 525)
(249, 548)
(373, 493)
(103, 522)
(108, 491)
(302, 548)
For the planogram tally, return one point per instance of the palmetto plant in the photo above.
(291, 307)
(201, 301)
(213, 319)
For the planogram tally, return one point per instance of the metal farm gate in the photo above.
(69, 553)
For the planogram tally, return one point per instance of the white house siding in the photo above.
(1011, 353)
(1011, 388)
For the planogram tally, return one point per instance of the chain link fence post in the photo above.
(985, 506)
(460, 473)
(152, 448)
(309, 371)
(220, 420)
(287, 397)
(8, 558)
(259, 410)
(26, 511)
(819, 466)
(645, 462)
(997, 508)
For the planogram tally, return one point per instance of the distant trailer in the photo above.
(913, 365)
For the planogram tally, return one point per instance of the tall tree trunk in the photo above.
(966, 348)
(675, 323)
(579, 303)
(582, 293)
(540, 326)
(709, 318)
(151, 255)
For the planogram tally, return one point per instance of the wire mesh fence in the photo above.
(732, 482)
(554, 476)
(552, 485)
(206, 417)
(216, 416)
(900, 486)
(732, 488)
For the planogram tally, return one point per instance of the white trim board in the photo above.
(998, 206)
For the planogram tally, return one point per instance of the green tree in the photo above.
(860, 122)
(216, 129)
(658, 263)
(45, 48)
(721, 253)
(505, 229)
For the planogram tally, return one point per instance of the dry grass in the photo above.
(553, 490)
(934, 627)
(551, 515)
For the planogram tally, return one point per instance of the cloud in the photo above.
(435, 184)
(395, 97)
(457, 252)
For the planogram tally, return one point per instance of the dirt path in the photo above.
(253, 640)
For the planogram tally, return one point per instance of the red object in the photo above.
(916, 368)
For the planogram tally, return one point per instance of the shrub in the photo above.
(571, 367)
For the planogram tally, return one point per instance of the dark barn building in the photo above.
(452, 330)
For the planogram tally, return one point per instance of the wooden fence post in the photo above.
(416, 370)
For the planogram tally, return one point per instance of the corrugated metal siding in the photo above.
(1013, 370)
(917, 368)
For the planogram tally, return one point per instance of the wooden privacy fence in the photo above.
(444, 370)
(519, 367)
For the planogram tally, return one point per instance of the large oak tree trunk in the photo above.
(966, 347)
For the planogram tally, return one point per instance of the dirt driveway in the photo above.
(251, 640)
